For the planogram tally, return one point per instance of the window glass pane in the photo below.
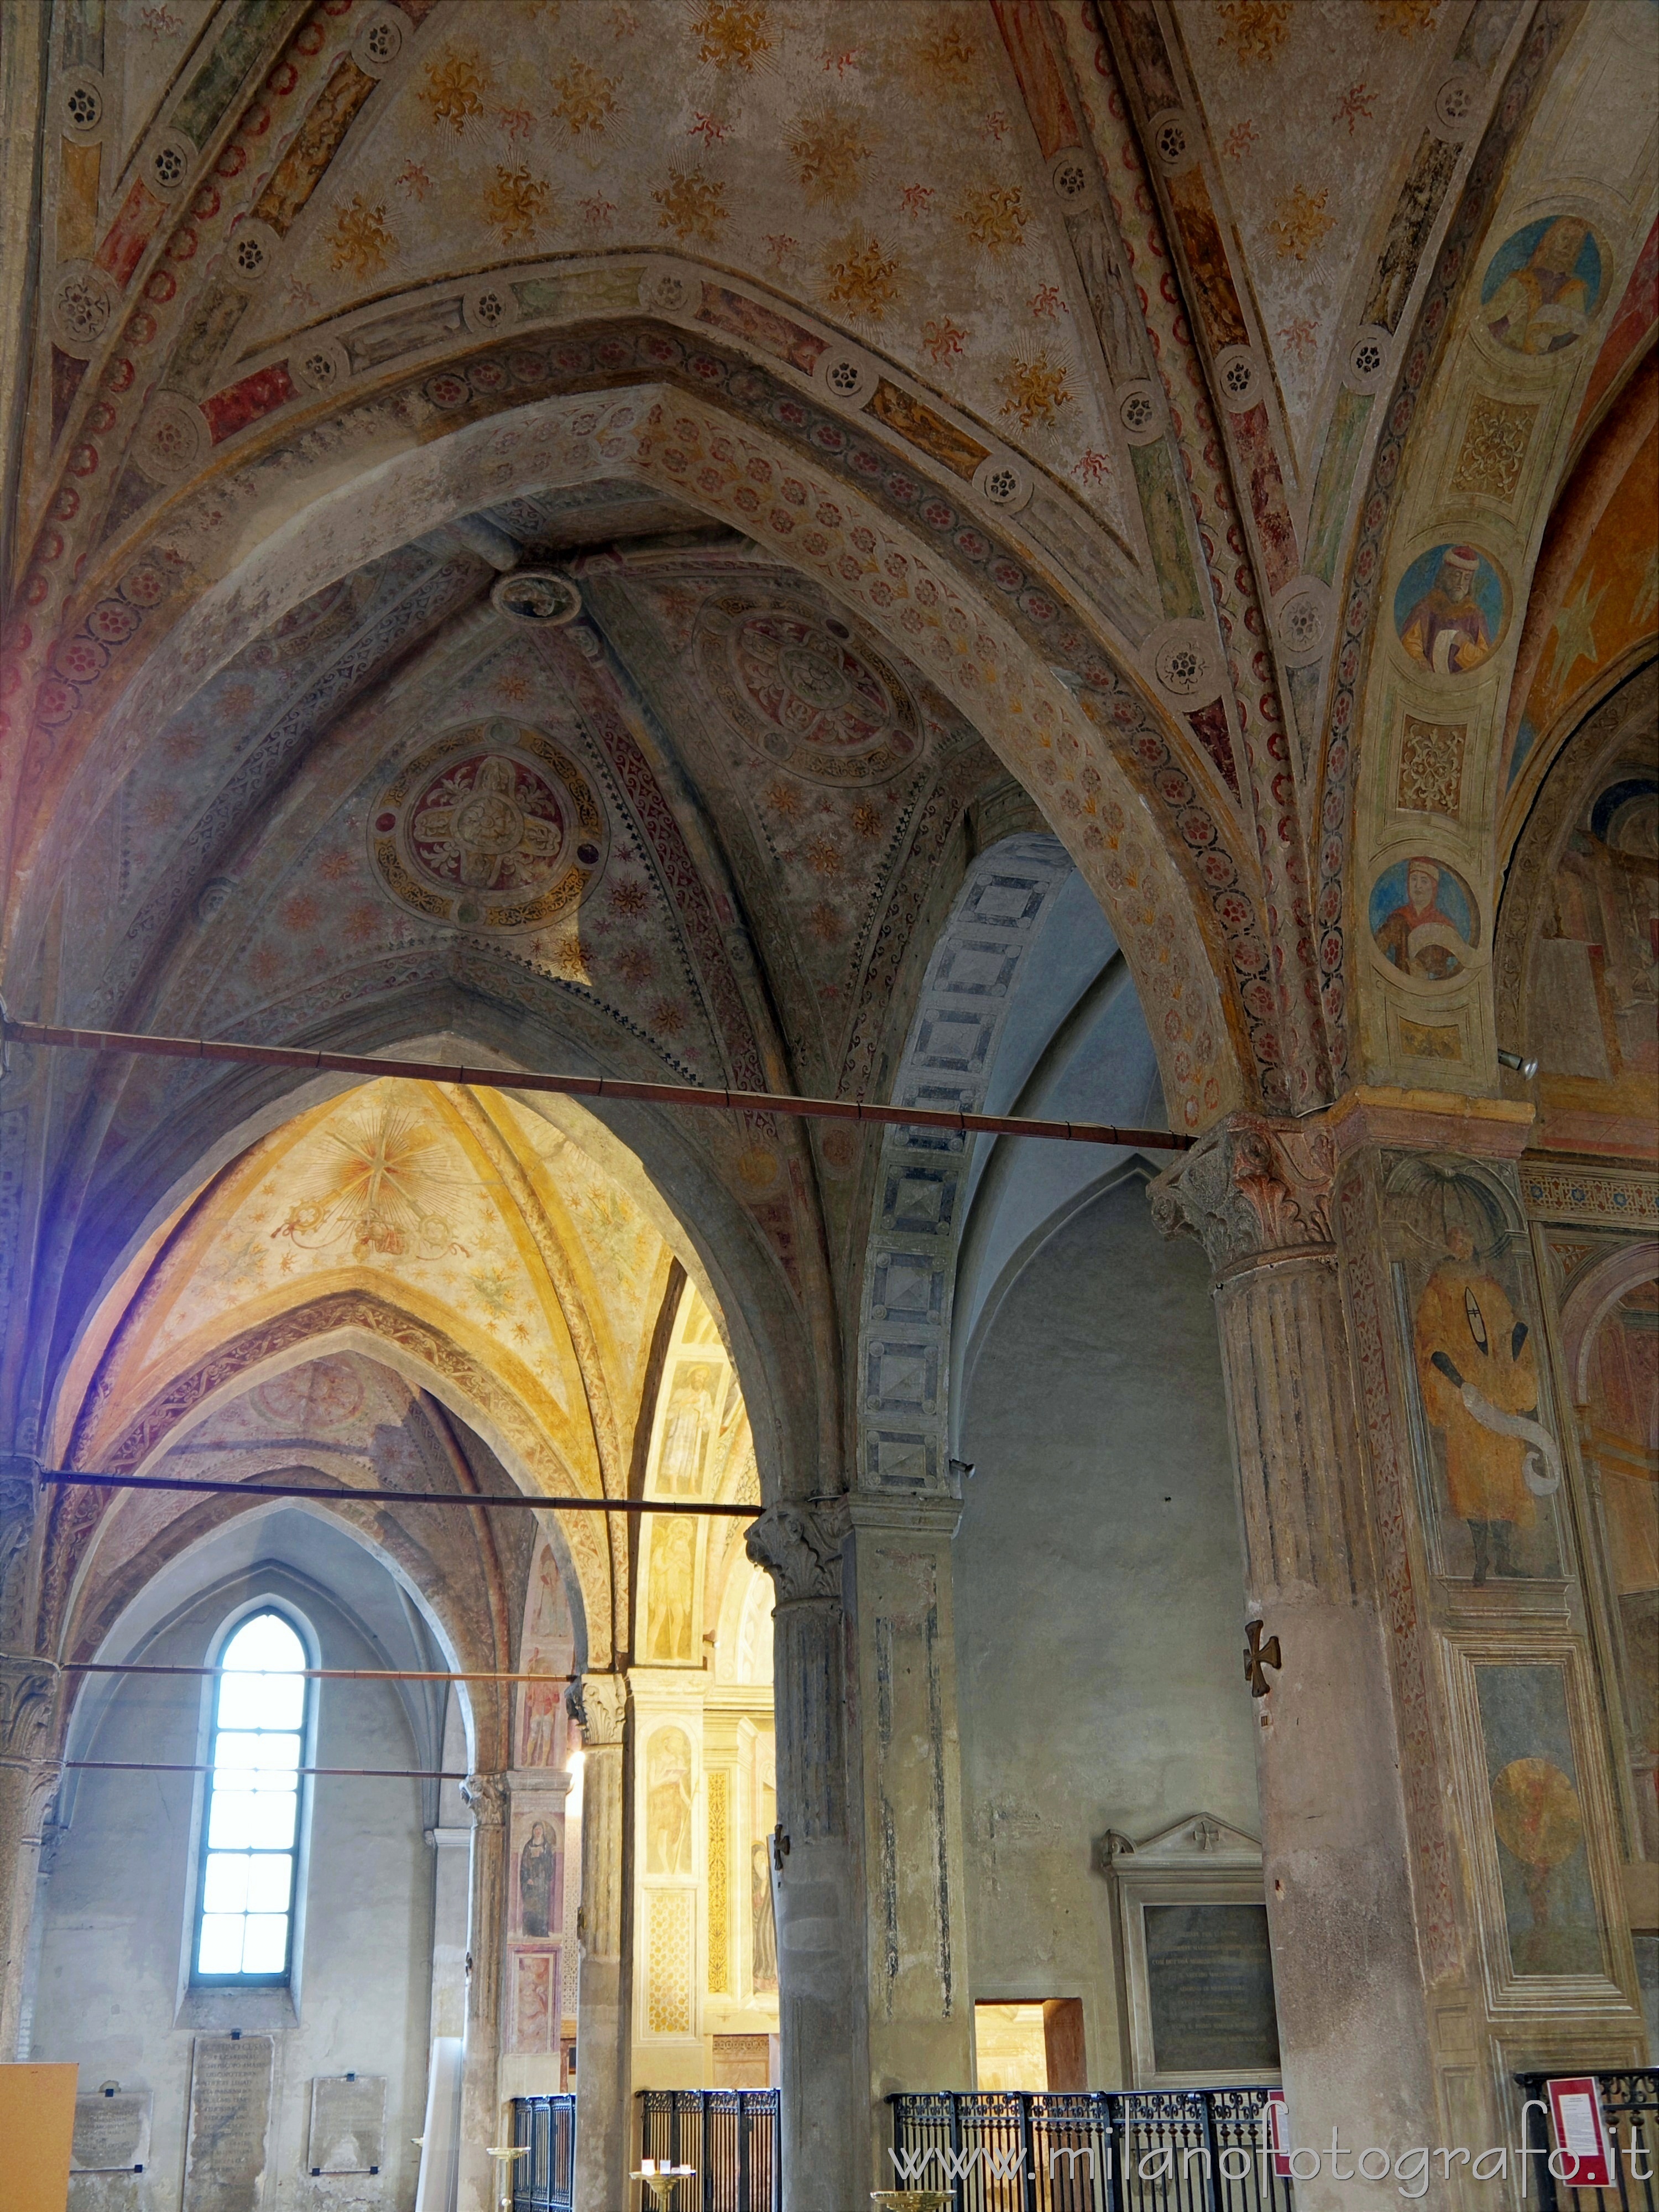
(269, 1879)
(230, 1824)
(265, 1950)
(260, 1700)
(273, 1699)
(221, 1944)
(259, 1744)
(266, 1778)
(273, 1820)
(266, 1641)
(225, 1889)
(235, 1749)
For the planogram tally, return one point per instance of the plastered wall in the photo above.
(1098, 1602)
(112, 1994)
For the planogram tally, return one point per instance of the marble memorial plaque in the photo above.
(348, 2122)
(1209, 1983)
(229, 2121)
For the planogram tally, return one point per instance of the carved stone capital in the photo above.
(486, 1795)
(599, 1705)
(27, 1688)
(1250, 1187)
(800, 1547)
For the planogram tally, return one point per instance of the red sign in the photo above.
(1584, 2156)
(1276, 2122)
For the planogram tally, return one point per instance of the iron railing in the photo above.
(545, 2181)
(1096, 2150)
(730, 2135)
(1629, 2104)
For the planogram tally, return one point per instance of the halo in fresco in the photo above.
(1543, 285)
(494, 827)
(805, 693)
(1451, 608)
(1424, 918)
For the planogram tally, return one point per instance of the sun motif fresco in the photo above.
(726, 132)
(378, 1190)
(390, 1188)
(1310, 129)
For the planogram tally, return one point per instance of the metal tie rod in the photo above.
(76, 1477)
(591, 1086)
(165, 1766)
(310, 1674)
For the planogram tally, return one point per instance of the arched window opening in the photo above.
(245, 1911)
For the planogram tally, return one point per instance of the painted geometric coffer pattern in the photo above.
(905, 1324)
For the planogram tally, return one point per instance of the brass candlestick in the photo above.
(661, 2181)
(504, 2155)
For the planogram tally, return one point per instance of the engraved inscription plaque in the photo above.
(1210, 1981)
(348, 2122)
(229, 2120)
(111, 2141)
(111, 2132)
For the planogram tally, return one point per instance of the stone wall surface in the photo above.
(1098, 1598)
(112, 1994)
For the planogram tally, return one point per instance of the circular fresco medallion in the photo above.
(805, 693)
(494, 827)
(1543, 285)
(1451, 609)
(323, 1395)
(1536, 1813)
(545, 598)
(1424, 918)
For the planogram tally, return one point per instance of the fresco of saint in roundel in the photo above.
(1422, 919)
(1450, 609)
(1543, 285)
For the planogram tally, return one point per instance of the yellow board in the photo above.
(37, 2121)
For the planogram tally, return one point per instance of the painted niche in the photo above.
(668, 1803)
(1488, 1464)
(1538, 1819)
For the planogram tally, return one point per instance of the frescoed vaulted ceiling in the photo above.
(571, 528)
(399, 1284)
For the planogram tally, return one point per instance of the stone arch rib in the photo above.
(904, 1321)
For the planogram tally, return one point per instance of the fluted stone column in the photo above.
(481, 2110)
(827, 2151)
(1353, 2010)
(598, 1705)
